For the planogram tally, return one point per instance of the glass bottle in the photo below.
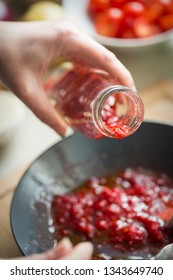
(94, 104)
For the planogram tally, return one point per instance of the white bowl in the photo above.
(77, 9)
(12, 112)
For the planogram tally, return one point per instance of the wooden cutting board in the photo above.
(158, 102)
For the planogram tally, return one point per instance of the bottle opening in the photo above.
(118, 112)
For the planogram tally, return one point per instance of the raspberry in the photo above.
(126, 215)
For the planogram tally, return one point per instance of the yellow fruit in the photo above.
(43, 10)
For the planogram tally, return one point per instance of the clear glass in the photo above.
(94, 104)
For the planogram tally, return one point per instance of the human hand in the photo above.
(28, 49)
(64, 251)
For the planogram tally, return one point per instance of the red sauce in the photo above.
(125, 213)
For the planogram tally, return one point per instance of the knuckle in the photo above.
(109, 57)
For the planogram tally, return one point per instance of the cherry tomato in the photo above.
(167, 5)
(143, 28)
(114, 15)
(125, 26)
(134, 9)
(166, 22)
(117, 3)
(131, 19)
(103, 27)
(97, 6)
(128, 34)
(154, 11)
(108, 23)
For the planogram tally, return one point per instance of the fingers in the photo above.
(82, 251)
(104, 59)
(86, 50)
(47, 113)
(32, 94)
(65, 251)
(63, 248)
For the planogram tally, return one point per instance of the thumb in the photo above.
(82, 251)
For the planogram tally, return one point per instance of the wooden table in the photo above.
(158, 101)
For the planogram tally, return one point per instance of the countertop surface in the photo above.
(33, 137)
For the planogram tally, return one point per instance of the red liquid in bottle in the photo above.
(92, 103)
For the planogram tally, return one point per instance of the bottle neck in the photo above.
(117, 111)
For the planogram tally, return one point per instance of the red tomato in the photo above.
(117, 3)
(154, 11)
(97, 6)
(166, 22)
(143, 28)
(103, 27)
(125, 25)
(114, 15)
(117, 18)
(167, 4)
(134, 9)
(128, 34)
(108, 23)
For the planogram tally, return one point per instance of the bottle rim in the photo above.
(99, 102)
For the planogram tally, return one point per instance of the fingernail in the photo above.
(66, 242)
(69, 131)
(64, 245)
(134, 88)
(87, 246)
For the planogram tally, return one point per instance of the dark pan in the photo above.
(70, 162)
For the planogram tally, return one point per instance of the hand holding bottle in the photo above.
(28, 49)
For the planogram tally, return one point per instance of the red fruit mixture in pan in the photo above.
(128, 210)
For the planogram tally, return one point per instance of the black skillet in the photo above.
(70, 162)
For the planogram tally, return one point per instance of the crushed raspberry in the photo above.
(127, 210)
